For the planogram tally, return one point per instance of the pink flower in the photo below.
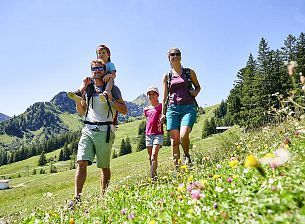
(230, 179)
(195, 194)
(123, 211)
(131, 216)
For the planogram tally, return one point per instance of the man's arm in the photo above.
(120, 106)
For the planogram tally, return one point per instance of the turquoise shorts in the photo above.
(180, 115)
(93, 143)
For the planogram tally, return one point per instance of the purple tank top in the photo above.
(179, 92)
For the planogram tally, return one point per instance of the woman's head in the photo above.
(103, 52)
(174, 55)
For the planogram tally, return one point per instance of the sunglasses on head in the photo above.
(175, 54)
(97, 69)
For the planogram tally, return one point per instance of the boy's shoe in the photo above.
(76, 96)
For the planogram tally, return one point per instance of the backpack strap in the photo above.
(187, 73)
(169, 76)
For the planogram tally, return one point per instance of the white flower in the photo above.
(219, 189)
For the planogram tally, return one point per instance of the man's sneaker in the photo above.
(187, 160)
(76, 96)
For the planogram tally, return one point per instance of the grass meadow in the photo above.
(237, 177)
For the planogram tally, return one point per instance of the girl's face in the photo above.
(152, 95)
(102, 54)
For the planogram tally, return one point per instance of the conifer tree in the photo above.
(141, 143)
(122, 148)
(42, 159)
(128, 147)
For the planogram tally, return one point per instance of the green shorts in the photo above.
(93, 142)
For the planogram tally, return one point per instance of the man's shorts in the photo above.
(180, 115)
(154, 140)
(93, 142)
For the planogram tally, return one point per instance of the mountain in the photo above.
(3, 117)
(43, 120)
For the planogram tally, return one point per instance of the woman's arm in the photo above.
(164, 100)
(196, 84)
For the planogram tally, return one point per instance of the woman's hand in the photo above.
(194, 93)
(162, 119)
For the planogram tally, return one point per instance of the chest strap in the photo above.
(108, 123)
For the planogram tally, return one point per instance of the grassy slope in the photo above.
(28, 192)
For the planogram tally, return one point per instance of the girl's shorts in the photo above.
(154, 140)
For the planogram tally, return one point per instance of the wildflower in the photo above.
(279, 157)
(233, 163)
(251, 161)
(215, 205)
(302, 79)
(291, 67)
(48, 194)
(218, 166)
(195, 194)
(183, 167)
(123, 211)
(230, 179)
(180, 188)
(219, 189)
(71, 221)
(190, 179)
(216, 176)
(131, 216)
(152, 222)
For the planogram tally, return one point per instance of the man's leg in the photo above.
(105, 179)
(80, 177)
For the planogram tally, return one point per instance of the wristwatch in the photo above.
(113, 100)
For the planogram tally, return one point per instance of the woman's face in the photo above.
(175, 56)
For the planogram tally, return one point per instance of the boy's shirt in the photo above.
(153, 124)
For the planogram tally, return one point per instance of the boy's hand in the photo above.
(107, 77)
(108, 94)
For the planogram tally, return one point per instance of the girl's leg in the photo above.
(149, 151)
(154, 161)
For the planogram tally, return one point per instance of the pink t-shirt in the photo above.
(153, 125)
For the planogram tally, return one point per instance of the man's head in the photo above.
(103, 52)
(98, 68)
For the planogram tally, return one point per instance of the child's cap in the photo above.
(152, 88)
(103, 46)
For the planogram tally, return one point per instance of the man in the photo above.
(98, 134)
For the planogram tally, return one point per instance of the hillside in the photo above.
(218, 189)
(43, 120)
(3, 117)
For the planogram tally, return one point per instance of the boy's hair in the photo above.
(173, 49)
(103, 46)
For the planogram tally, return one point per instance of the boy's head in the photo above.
(103, 52)
(152, 92)
(98, 68)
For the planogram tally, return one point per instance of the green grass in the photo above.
(72, 121)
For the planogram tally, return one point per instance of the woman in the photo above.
(179, 104)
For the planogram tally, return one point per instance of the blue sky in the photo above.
(46, 45)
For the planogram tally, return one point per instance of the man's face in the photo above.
(102, 54)
(97, 70)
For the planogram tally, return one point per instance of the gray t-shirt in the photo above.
(100, 110)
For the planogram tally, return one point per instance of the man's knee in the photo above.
(82, 164)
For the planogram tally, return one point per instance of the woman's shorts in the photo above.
(154, 140)
(180, 115)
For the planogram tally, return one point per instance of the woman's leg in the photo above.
(175, 141)
(185, 140)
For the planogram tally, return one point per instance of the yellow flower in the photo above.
(235, 176)
(233, 163)
(269, 155)
(179, 161)
(183, 167)
(251, 161)
(190, 179)
(181, 188)
(286, 146)
(152, 222)
(216, 176)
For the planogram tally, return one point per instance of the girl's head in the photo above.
(174, 55)
(98, 68)
(152, 93)
(103, 52)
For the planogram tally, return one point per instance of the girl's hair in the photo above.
(103, 46)
(173, 49)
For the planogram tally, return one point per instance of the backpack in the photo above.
(187, 73)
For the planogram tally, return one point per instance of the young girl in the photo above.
(154, 129)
